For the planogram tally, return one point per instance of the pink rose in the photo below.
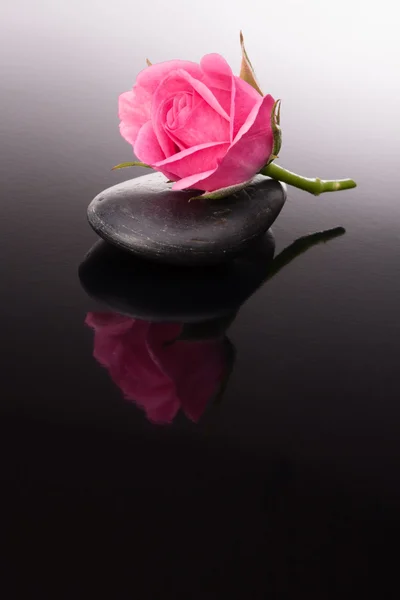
(160, 376)
(200, 125)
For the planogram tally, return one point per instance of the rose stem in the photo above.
(314, 186)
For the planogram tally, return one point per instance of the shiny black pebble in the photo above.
(147, 218)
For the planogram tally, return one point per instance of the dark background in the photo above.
(291, 485)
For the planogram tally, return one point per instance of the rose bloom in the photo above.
(157, 373)
(200, 125)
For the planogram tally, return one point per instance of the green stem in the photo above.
(314, 186)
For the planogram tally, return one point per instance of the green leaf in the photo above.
(246, 69)
(222, 192)
(131, 164)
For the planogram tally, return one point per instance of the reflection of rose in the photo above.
(161, 375)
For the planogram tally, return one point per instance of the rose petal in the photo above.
(189, 182)
(134, 109)
(245, 99)
(258, 122)
(159, 119)
(198, 125)
(178, 113)
(218, 76)
(147, 148)
(181, 108)
(175, 83)
(181, 81)
(242, 96)
(135, 106)
(193, 160)
(217, 72)
(182, 101)
(150, 77)
(249, 152)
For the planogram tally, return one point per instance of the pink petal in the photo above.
(217, 72)
(181, 111)
(181, 105)
(182, 101)
(147, 148)
(134, 108)
(258, 122)
(129, 131)
(246, 98)
(150, 77)
(175, 83)
(198, 125)
(159, 119)
(194, 160)
(218, 76)
(189, 182)
(249, 152)
(182, 81)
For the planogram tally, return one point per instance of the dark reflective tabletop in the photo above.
(232, 432)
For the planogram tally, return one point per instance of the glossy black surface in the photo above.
(147, 218)
(287, 486)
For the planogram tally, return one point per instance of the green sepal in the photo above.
(131, 164)
(222, 192)
(276, 131)
(246, 68)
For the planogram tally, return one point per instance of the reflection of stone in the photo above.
(157, 292)
(159, 367)
(145, 216)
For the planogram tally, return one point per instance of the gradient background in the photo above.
(292, 485)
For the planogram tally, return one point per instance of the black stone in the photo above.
(146, 217)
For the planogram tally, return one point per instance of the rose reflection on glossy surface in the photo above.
(155, 369)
